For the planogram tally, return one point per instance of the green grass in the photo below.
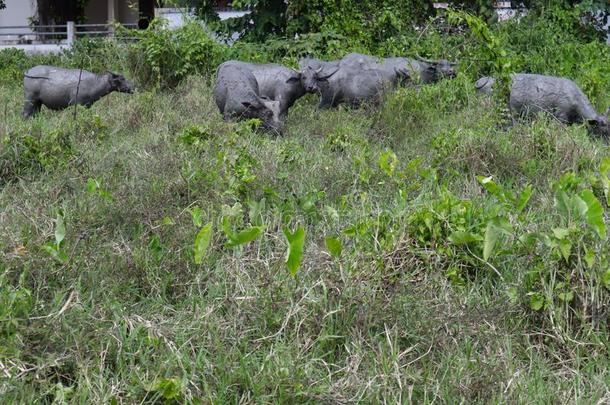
(403, 315)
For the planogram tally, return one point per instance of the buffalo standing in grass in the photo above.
(237, 96)
(421, 70)
(354, 86)
(532, 93)
(58, 88)
(276, 82)
(312, 69)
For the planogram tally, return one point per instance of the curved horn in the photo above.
(328, 75)
(318, 70)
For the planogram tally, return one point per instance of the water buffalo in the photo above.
(237, 96)
(58, 88)
(276, 82)
(561, 97)
(423, 70)
(312, 69)
(393, 72)
(354, 86)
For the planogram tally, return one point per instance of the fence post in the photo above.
(71, 31)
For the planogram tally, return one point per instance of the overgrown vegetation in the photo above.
(427, 251)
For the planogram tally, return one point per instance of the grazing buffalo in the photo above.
(237, 96)
(423, 70)
(392, 72)
(277, 82)
(532, 93)
(58, 88)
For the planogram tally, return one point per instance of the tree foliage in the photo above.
(368, 22)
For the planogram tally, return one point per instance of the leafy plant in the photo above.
(294, 253)
(55, 249)
(202, 242)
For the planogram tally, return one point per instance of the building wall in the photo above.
(17, 12)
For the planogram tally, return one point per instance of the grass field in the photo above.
(442, 286)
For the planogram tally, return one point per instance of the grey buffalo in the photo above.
(426, 70)
(312, 69)
(392, 72)
(237, 96)
(354, 80)
(561, 97)
(58, 88)
(422, 70)
(276, 82)
(353, 86)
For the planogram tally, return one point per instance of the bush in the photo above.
(163, 57)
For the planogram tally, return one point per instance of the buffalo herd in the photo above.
(267, 91)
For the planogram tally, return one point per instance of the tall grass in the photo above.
(101, 299)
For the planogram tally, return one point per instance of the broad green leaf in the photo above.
(524, 198)
(463, 238)
(60, 230)
(565, 247)
(388, 162)
(561, 233)
(197, 216)
(595, 213)
(294, 254)
(536, 301)
(563, 204)
(493, 188)
(202, 242)
(579, 206)
(495, 228)
(245, 236)
(334, 246)
(55, 252)
(226, 227)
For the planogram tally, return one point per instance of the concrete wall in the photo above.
(17, 12)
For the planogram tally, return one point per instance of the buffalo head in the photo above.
(119, 83)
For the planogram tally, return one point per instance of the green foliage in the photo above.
(294, 253)
(440, 240)
(163, 57)
(334, 246)
(202, 242)
(55, 249)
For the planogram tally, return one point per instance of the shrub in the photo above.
(162, 57)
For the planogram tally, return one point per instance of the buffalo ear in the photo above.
(593, 122)
(293, 79)
(247, 104)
